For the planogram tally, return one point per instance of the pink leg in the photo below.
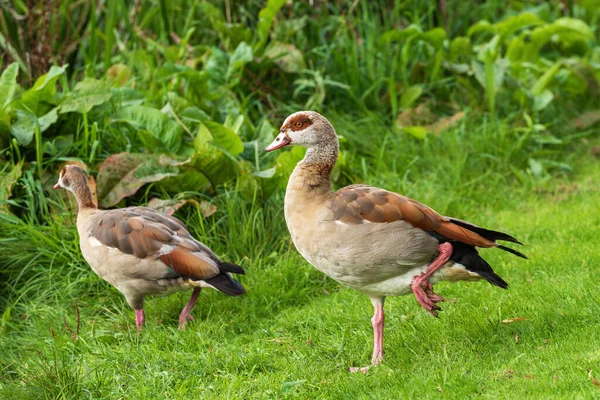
(185, 313)
(421, 286)
(139, 319)
(377, 321)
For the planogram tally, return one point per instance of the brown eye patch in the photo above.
(298, 123)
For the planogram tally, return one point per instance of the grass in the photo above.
(296, 332)
(514, 162)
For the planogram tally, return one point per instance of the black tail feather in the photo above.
(226, 284)
(486, 233)
(230, 267)
(513, 251)
(468, 257)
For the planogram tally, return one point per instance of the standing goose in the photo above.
(375, 241)
(142, 252)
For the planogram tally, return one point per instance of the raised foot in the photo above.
(424, 294)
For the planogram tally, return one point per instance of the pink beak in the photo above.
(280, 141)
(57, 186)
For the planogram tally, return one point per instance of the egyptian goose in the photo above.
(142, 252)
(375, 241)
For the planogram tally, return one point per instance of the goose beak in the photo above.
(280, 141)
(57, 186)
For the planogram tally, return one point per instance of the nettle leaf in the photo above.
(266, 16)
(87, 94)
(121, 175)
(147, 120)
(24, 128)
(8, 84)
(286, 56)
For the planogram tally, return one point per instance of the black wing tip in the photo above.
(226, 284)
(512, 251)
(231, 267)
(486, 233)
(494, 279)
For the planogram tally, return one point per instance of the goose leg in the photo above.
(378, 322)
(139, 318)
(421, 286)
(185, 313)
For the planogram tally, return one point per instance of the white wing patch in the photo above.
(96, 243)
(166, 249)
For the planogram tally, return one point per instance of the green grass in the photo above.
(514, 162)
(296, 332)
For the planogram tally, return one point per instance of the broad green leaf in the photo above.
(435, 37)
(267, 173)
(536, 167)
(410, 95)
(460, 48)
(543, 81)
(193, 114)
(48, 119)
(224, 138)
(396, 35)
(542, 100)
(8, 84)
(8, 176)
(49, 78)
(240, 57)
(24, 128)
(564, 30)
(234, 123)
(163, 129)
(121, 175)
(481, 26)
(216, 65)
(286, 56)
(40, 98)
(516, 22)
(87, 94)
(266, 16)
(496, 78)
(417, 131)
(575, 25)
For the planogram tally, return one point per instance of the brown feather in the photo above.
(358, 203)
(190, 264)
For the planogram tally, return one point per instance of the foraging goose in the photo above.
(375, 241)
(142, 252)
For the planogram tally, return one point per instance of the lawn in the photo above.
(493, 122)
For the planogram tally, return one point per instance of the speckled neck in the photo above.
(321, 159)
(83, 195)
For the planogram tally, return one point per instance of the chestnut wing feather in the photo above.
(146, 234)
(358, 204)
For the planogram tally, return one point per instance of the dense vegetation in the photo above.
(473, 110)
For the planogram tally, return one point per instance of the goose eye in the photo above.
(298, 124)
